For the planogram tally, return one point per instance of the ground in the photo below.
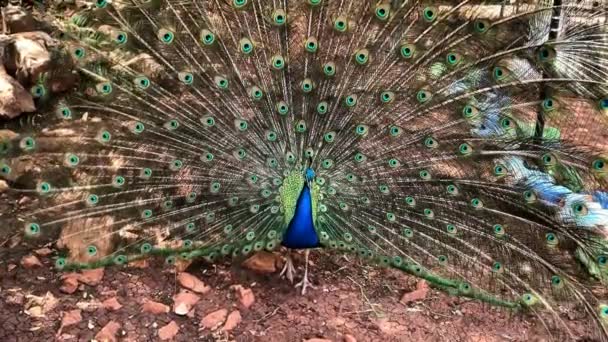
(351, 301)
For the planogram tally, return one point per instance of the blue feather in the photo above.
(301, 232)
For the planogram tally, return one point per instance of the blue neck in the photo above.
(301, 232)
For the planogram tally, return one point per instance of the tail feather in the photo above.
(462, 144)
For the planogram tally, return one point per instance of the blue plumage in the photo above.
(301, 231)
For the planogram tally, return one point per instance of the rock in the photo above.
(263, 263)
(15, 296)
(70, 318)
(245, 296)
(45, 251)
(28, 56)
(214, 319)
(3, 186)
(108, 332)
(183, 302)
(40, 306)
(14, 99)
(234, 318)
(111, 304)
(30, 261)
(155, 307)
(421, 291)
(91, 277)
(349, 338)
(191, 282)
(168, 331)
(18, 19)
(89, 306)
(70, 284)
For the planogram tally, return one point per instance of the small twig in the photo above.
(433, 312)
(357, 312)
(371, 305)
(268, 315)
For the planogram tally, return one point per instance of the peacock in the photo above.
(464, 143)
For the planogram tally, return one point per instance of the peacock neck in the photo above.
(301, 232)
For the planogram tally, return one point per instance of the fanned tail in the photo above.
(465, 144)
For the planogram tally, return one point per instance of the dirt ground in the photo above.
(351, 303)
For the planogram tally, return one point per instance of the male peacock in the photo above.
(462, 142)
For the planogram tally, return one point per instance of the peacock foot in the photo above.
(288, 270)
(305, 283)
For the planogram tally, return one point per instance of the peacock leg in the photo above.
(288, 270)
(305, 283)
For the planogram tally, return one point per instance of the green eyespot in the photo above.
(207, 37)
(579, 209)
(307, 85)
(221, 82)
(329, 69)
(429, 13)
(120, 38)
(246, 46)
(187, 78)
(498, 230)
(361, 130)
(79, 52)
(382, 12)
(430, 142)
(322, 107)
(387, 97)
(551, 239)
(101, 3)
(500, 170)
(499, 73)
(311, 44)
(481, 26)
(32, 229)
(64, 113)
(145, 173)
(279, 17)
(407, 51)
(469, 112)
(142, 82)
(529, 196)
(423, 96)
(395, 131)
(476, 203)
(341, 24)
(465, 149)
(546, 54)
(453, 58)
(350, 101)
(118, 181)
(278, 62)
(104, 88)
(166, 36)
(71, 160)
(329, 137)
(239, 4)
(27, 144)
(548, 105)
(282, 108)
(362, 56)
(452, 189)
(255, 93)
(137, 127)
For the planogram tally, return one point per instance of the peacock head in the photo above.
(309, 174)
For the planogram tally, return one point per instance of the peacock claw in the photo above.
(305, 283)
(288, 270)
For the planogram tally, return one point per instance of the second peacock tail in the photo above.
(464, 143)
